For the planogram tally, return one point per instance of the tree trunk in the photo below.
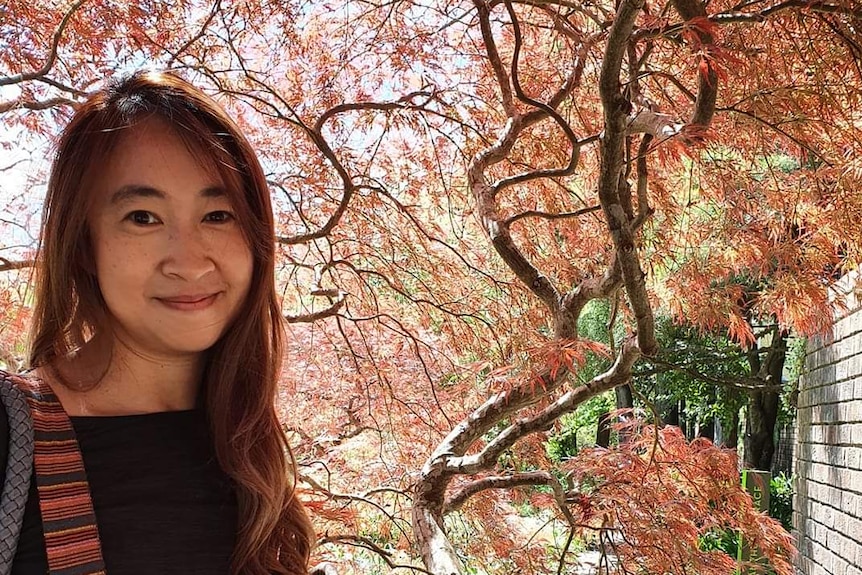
(760, 430)
(624, 397)
(683, 419)
(624, 400)
(732, 440)
(603, 431)
(707, 428)
(763, 404)
(672, 417)
(438, 554)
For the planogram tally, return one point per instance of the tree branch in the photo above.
(35, 105)
(566, 326)
(618, 374)
(187, 44)
(315, 133)
(707, 83)
(645, 211)
(366, 543)
(616, 109)
(746, 383)
(655, 124)
(52, 56)
(808, 5)
(547, 110)
(549, 216)
(9, 265)
(455, 501)
(484, 11)
(337, 304)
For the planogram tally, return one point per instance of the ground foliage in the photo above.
(661, 482)
(454, 182)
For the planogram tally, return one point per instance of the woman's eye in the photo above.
(219, 217)
(142, 218)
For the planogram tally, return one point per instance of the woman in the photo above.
(157, 328)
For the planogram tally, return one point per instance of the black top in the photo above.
(162, 503)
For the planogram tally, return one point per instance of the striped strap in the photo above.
(71, 535)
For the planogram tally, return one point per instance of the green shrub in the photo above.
(781, 499)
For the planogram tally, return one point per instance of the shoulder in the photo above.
(8, 378)
(15, 389)
(15, 415)
(11, 385)
(21, 381)
(9, 381)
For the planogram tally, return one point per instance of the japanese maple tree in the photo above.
(454, 182)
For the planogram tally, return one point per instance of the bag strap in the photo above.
(19, 469)
(71, 536)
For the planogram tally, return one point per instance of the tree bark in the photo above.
(603, 431)
(763, 405)
(707, 428)
(683, 419)
(733, 432)
(671, 416)
(624, 397)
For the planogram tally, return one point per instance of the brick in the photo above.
(849, 432)
(852, 410)
(839, 565)
(815, 432)
(843, 370)
(845, 327)
(846, 455)
(854, 480)
(820, 472)
(827, 518)
(833, 493)
(854, 530)
(853, 552)
(827, 453)
(849, 505)
(839, 524)
(820, 554)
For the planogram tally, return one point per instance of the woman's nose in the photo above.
(188, 255)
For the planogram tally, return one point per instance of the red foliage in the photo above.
(657, 495)
(444, 285)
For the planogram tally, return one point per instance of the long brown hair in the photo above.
(242, 370)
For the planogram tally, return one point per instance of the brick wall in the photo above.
(827, 507)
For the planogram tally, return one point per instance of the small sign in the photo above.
(756, 483)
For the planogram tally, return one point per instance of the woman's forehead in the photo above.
(154, 154)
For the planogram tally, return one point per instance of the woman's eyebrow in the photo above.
(135, 191)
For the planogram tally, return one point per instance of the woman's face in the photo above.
(171, 260)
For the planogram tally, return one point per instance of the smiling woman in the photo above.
(156, 347)
(157, 206)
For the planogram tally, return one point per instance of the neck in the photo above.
(109, 378)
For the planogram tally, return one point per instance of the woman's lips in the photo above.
(189, 303)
